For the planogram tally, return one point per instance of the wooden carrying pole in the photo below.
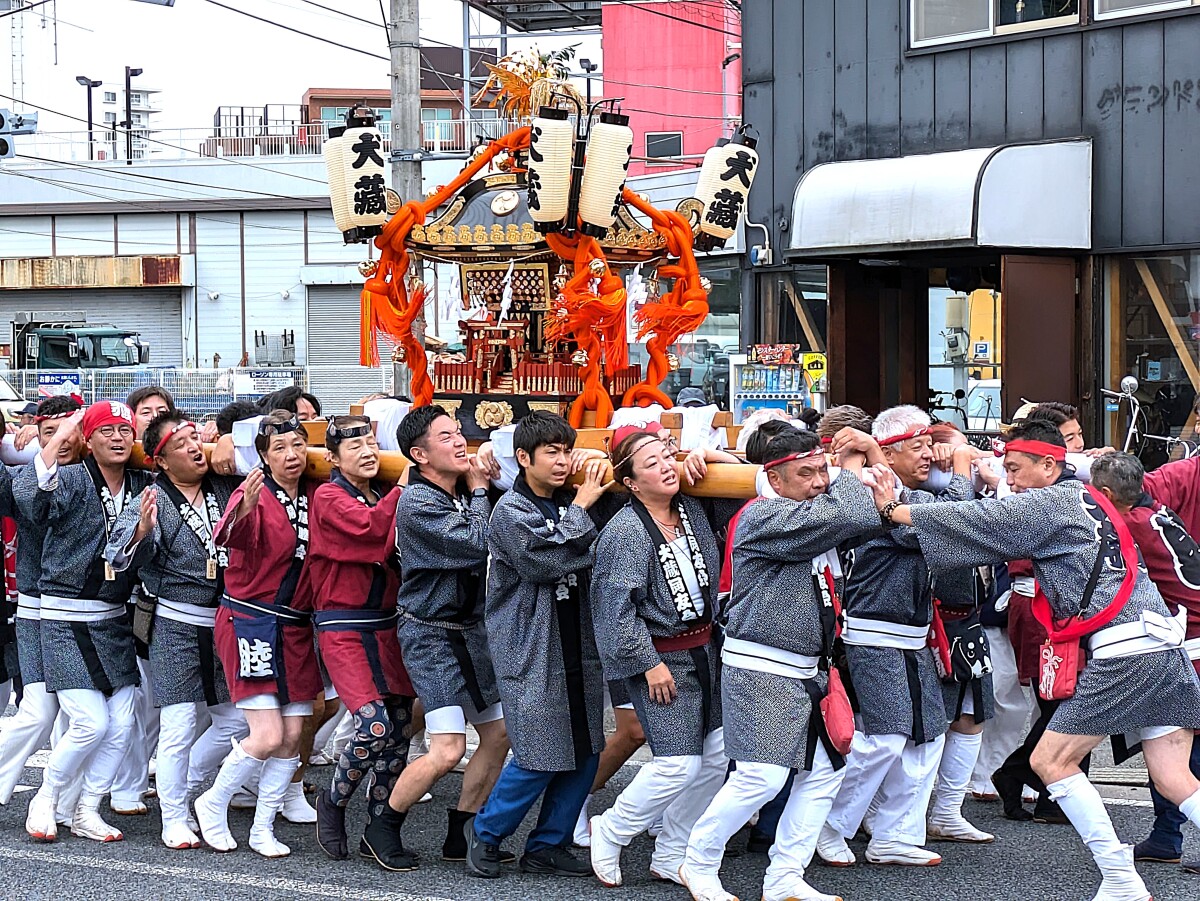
(728, 480)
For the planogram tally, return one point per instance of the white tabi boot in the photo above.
(832, 849)
(296, 808)
(87, 822)
(273, 784)
(946, 822)
(212, 807)
(1084, 807)
(704, 887)
(606, 854)
(40, 821)
(583, 832)
(900, 854)
(801, 892)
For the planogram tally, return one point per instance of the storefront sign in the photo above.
(260, 382)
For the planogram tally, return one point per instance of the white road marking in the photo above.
(238, 880)
(1128, 802)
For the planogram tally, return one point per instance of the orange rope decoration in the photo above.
(589, 318)
(386, 304)
(680, 311)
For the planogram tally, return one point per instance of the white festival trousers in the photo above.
(96, 739)
(24, 734)
(904, 771)
(133, 776)
(679, 788)
(185, 759)
(1014, 702)
(748, 788)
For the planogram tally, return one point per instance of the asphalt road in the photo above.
(1026, 862)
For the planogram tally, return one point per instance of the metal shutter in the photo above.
(155, 312)
(334, 375)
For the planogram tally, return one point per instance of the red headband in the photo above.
(55, 416)
(896, 439)
(815, 452)
(1037, 448)
(176, 429)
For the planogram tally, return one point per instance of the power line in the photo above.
(315, 37)
(150, 140)
(22, 9)
(654, 12)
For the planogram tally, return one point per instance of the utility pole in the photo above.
(408, 139)
(404, 43)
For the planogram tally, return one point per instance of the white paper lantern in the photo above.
(364, 171)
(551, 149)
(609, 147)
(336, 176)
(724, 185)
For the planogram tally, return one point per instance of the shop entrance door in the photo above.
(1041, 326)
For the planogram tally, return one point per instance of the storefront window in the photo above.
(704, 354)
(1153, 335)
(1107, 9)
(964, 358)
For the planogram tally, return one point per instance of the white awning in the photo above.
(1035, 195)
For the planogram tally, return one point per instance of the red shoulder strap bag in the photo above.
(1061, 654)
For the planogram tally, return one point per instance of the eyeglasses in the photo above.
(108, 431)
(671, 444)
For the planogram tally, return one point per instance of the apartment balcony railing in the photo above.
(440, 136)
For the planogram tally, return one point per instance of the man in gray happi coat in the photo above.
(888, 611)
(539, 624)
(1138, 680)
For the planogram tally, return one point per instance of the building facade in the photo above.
(1035, 156)
(678, 67)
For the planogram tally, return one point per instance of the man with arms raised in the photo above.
(87, 644)
(1138, 680)
(778, 642)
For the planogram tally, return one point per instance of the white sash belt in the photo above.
(190, 614)
(875, 633)
(1152, 632)
(29, 607)
(79, 610)
(763, 658)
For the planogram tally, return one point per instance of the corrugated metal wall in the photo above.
(830, 81)
(155, 312)
(334, 375)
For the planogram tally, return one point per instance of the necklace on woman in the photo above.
(667, 528)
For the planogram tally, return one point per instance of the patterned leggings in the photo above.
(379, 747)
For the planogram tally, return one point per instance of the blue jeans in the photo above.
(1167, 834)
(517, 790)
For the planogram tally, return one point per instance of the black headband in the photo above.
(336, 435)
(268, 429)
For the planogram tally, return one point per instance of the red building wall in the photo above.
(669, 71)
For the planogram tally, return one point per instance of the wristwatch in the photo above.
(479, 492)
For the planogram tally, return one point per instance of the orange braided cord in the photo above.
(680, 311)
(386, 306)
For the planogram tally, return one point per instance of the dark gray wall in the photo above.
(828, 80)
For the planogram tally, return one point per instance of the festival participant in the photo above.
(146, 403)
(1138, 681)
(352, 574)
(1172, 560)
(30, 729)
(653, 600)
(967, 688)
(168, 539)
(87, 644)
(132, 782)
(548, 672)
(294, 400)
(264, 636)
(888, 610)
(779, 631)
(442, 532)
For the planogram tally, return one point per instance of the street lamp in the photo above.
(129, 74)
(89, 84)
(588, 67)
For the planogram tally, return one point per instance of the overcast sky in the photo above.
(202, 56)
